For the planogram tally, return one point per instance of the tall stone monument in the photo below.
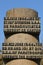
(21, 45)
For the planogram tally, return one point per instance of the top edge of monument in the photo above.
(22, 12)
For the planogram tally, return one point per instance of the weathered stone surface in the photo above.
(21, 62)
(22, 12)
(21, 37)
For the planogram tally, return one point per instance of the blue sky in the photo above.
(6, 5)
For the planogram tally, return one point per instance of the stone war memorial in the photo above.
(21, 45)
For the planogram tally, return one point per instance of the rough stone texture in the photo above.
(22, 12)
(21, 37)
(21, 62)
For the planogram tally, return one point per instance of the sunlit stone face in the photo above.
(22, 12)
(22, 38)
(21, 62)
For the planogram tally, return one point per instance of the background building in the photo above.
(21, 44)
